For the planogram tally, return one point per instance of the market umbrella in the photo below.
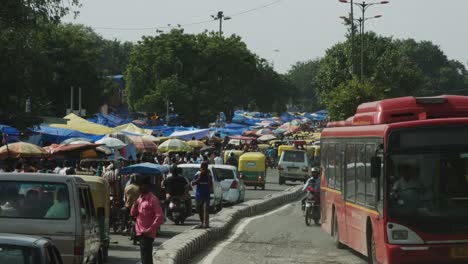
(104, 149)
(122, 137)
(111, 142)
(196, 144)
(266, 138)
(264, 131)
(145, 168)
(70, 140)
(207, 148)
(62, 148)
(80, 142)
(151, 138)
(174, 145)
(144, 145)
(22, 150)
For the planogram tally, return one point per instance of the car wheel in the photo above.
(99, 258)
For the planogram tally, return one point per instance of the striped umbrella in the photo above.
(143, 145)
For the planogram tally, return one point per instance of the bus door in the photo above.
(354, 183)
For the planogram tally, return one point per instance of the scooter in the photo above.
(177, 211)
(312, 206)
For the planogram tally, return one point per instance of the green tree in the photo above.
(302, 75)
(202, 75)
(342, 102)
(397, 67)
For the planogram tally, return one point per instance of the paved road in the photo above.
(123, 252)
(281, 237)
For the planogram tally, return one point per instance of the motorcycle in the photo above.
(177, 211)
(312, 206)
(271, 162)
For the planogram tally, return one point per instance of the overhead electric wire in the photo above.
(192, 23)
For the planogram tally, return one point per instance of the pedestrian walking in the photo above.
(149, 216)
(204, 185)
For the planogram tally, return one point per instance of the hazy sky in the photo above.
(287, 31)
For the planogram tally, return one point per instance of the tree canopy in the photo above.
(201, 75)
(392, 68)
(41, 58)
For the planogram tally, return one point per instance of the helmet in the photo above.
(315, 169)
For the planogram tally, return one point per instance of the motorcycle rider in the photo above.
(178, 186)
(314, 182)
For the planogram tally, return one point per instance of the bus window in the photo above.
(360, 174)
(331, 166)
(370, 182)
(339, 168)
(350, 173)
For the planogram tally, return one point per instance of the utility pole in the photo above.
(352, 38)
(220, 16)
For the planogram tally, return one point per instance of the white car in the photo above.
(233, 187)
(216, 197)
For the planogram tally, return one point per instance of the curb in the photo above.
(186, 245)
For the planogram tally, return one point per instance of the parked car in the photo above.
(294, 165)
(216, 200)
(233, 188)
(20, 249)
(58, 207)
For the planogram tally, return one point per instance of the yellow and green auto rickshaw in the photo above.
(237, 153)
(101, 199)
(252, 169)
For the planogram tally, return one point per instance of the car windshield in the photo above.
(293, 156)
(17, 255)
(427, 186)
(224, 174)
(36, 200)
(188, 173)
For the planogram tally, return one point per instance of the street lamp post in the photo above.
(351, 18)
(364, 6)
(220, 16)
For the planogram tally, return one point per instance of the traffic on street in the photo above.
(122, 251)
(220, 131)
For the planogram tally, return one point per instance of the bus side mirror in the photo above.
(376, 169)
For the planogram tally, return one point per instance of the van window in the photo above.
(224, 174)
(10, 254)
(36, 200)
(294, 156)
(86, 203)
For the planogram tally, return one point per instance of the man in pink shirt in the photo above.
(149, 216)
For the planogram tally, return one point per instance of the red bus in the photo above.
(395, 180)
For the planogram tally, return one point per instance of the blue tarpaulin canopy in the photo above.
(11, 131)
(146, 168)
(57, 135)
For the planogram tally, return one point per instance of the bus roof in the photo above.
(406, 109)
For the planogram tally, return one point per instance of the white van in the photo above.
(293, 165)
(56, 207)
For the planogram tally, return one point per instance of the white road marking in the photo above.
(240, 228)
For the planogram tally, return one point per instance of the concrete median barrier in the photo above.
(186, 245)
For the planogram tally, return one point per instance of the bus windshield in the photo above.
(425, 186)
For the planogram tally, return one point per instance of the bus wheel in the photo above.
(336, 234)
(371, 249)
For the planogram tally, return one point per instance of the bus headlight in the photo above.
(400, 234)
